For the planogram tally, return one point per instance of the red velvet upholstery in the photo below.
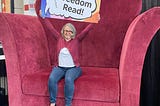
(136, 42)
(99, 47)
(107, 90)
(107, 79)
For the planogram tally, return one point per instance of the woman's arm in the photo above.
(49, 27)
(82, 35)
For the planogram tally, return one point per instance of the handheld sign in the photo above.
(76, 10)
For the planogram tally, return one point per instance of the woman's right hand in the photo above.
(40, 13)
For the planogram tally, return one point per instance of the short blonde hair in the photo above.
(72, 28)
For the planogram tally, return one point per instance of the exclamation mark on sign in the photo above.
(82, 11)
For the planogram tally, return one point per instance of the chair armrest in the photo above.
(12, 63)
(25, 48)
(137, 40)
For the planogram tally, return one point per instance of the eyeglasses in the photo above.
(68, 31)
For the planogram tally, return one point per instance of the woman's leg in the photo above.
(70, 76)
(56, 74)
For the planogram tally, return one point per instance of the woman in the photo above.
(67, 64)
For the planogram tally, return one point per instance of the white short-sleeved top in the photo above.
(65, 59)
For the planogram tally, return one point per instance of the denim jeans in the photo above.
(69, 74)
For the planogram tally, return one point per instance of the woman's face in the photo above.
(67, 33)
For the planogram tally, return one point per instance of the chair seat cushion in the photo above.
(97, 84)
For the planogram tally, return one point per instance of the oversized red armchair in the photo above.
(112, 55)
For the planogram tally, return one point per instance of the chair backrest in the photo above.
(102, 46)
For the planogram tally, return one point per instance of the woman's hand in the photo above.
(40, 13)
(98, 17)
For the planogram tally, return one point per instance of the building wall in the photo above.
(0, 6)
(29, 8)
(5, 6)
(19, 7)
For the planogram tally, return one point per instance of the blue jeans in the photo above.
(69, 74)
